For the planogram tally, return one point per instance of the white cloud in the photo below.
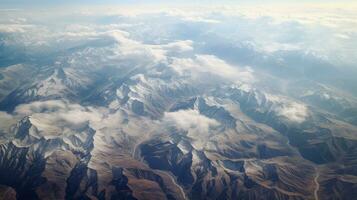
(15, 28)
(293, 111)
(191, 121)
(178, 46)
(342, 36)
(6, 120)
(275, 46)
(40, 107)
(212, 65)
(129, 49)
(282, 106)
(58, 113)
(197, 127)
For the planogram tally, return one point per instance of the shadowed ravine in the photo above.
(178, 100)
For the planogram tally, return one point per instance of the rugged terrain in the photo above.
(104, 116)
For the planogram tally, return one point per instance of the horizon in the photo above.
(43, 3)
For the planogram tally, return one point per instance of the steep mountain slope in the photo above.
(107, 114)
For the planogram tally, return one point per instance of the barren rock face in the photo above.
(178, 103)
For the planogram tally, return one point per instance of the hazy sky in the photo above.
(205, 2)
